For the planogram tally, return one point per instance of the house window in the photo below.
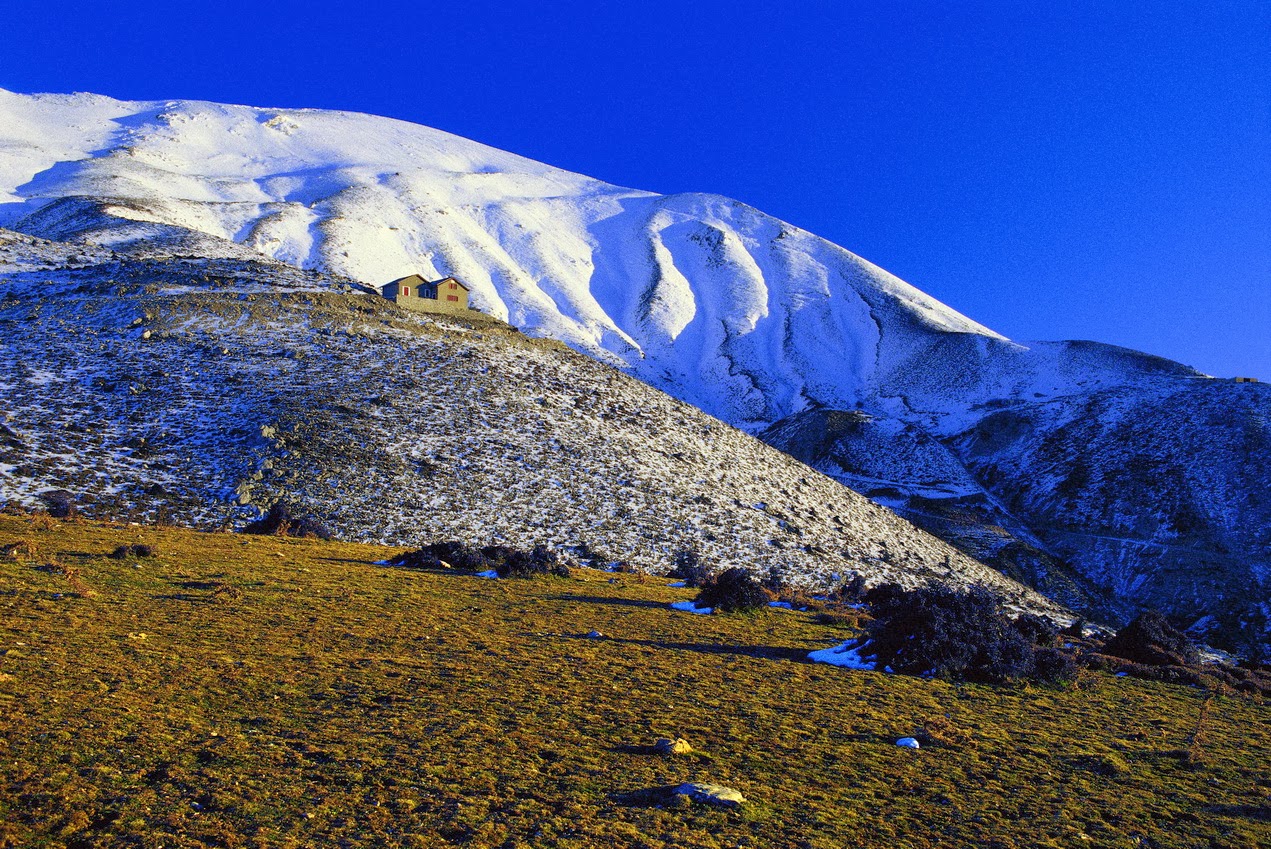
(453, 286)
(452, 297)
(405, 291)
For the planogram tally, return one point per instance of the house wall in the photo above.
(447, 289)
(440, 304)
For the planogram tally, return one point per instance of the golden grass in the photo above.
(271, 692)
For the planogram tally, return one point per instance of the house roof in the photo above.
(424, 280)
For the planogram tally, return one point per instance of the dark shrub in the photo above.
(731, 590)
(59, 503)
(595, 559)
(415, 560)
(688, 567)
(776, 580)
(436, 556)
(1150, 639)
(511, 563)
(1038, 630)
(281, 521)
(506, 561)
(455, 554)
(1052, 666)
(1076, 629)
(940, 632)
(135, 550)
(851, 591)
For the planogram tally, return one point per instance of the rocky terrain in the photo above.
(202, 391)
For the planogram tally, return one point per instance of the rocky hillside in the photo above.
(1149, 496)
(202, 391)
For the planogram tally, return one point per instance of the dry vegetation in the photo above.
(267, 691)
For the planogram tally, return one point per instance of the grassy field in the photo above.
(263, 691)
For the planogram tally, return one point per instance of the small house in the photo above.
(1246, 380)
(413, 292)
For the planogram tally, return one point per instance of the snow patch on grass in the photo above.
(848, 655)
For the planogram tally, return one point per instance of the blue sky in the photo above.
(1087, 170)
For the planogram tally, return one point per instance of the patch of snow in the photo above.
(488, 573)
(848, 655)
(688, 607)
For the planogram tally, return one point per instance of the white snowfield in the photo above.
(732, 310)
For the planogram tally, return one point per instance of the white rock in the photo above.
(908, 743)
(711, 794)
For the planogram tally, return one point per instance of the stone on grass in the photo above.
(710, 794)
(667, 746)
(908, 743)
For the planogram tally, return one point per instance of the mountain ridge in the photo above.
(739, 314)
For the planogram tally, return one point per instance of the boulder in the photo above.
(710, 794)
(668, 746)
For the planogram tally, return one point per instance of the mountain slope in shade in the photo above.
(923, 480)
(746, 317)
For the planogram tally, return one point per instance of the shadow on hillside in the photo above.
(207, 592)
(1260, 813)
(598, 599)
(646, 797)
(794, 655)
(634, 749)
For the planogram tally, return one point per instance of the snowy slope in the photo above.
(741, 314)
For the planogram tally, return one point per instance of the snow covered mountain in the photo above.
(740, 314)
(746, 317)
